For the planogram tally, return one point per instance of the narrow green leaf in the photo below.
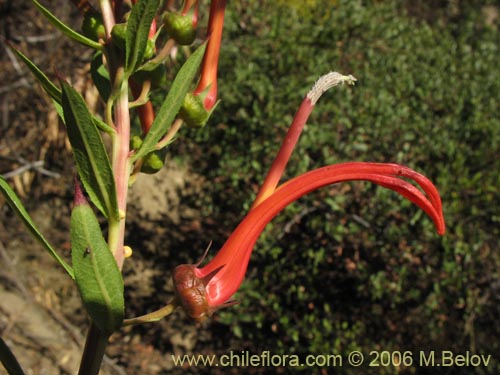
(100, 76)
(173, 102)
(65, 29)
(91, 158)
(16, 204)
(49, 87)
(138, 26)
(59, 109)
(97, 275)
(97, 122)
(55, 92)
(9, 360)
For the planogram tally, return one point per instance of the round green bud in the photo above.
(153, 162)
(193, 112)
(135, 142)
(180, 28)
(93, 26)
(119, 35)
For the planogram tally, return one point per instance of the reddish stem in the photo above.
(121, 170)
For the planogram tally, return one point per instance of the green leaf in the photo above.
(16, 204)
(65, 29)
(100, 76)
(59, 109)
(55, 92)
(9, 360)
(138, 26)
(91, 158)
(49, 87)
(97, 275)
(171, 105)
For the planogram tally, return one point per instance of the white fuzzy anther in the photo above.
(326, 82)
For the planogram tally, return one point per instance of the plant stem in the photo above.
(9, 360)
(168, 138)
(155, 315)
(107, 16)
(93, 353)
(121, 171)
(96, 341)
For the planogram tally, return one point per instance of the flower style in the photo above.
(202, 290)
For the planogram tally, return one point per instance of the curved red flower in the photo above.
(202, 290)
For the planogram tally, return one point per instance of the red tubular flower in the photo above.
(276, 171)
(199, 104)
(145, 111)
(208, 79)
(152, 30)
(202, 290)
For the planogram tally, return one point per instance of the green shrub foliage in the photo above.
(354, 266)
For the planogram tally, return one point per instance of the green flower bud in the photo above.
(93, 26)
(119, 35)
(154, 161)
(193, 111)
(180, 28)
(135, 142)
(150, 49)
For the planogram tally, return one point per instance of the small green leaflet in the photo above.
(138, 26)
(65, 29)
(16, 204)
(97, 275)
(90, 155)
(173, 102)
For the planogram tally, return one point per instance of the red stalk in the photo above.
(208, 78)
(273, 177)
